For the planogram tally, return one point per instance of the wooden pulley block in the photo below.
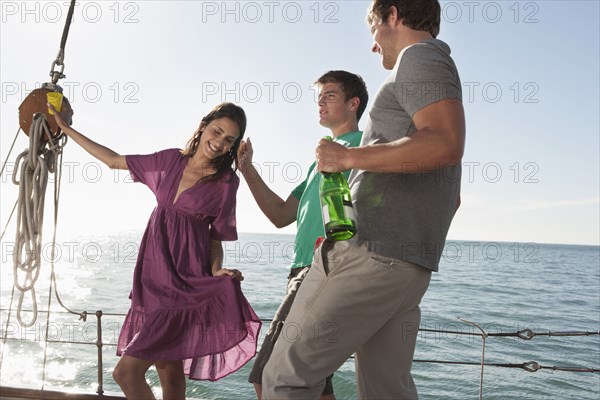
(36, 102)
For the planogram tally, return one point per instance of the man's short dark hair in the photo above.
(420, 15)
(352, 86)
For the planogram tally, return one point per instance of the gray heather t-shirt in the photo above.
(407, 216)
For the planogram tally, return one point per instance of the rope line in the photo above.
(5, 335)
(31, 175)
(46, 338)
(9, 219)
(12, 146)
(12, 294)
(53, 280)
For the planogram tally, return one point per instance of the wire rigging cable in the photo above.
(60, 57)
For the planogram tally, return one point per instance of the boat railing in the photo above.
(523, 334)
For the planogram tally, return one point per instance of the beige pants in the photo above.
(351, 301)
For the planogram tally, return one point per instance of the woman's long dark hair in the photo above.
(227, 161)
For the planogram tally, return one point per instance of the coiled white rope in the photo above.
(32, 168)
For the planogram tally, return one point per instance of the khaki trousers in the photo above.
(351, 301)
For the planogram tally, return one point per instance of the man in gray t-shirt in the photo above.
(362, 296)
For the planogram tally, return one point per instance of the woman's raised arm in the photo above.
(102, 153)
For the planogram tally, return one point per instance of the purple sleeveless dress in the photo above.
(179, 311)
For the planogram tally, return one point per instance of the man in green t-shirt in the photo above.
(342, 100)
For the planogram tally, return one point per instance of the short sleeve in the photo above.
(426, 74)
(149, 169)
(223, 227)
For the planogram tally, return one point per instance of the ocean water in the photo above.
(501, 287)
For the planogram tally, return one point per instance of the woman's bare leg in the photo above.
(130, 375)
(172, 379)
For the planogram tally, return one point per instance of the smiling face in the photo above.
(383, 41)
(334, 109)
(218, 137)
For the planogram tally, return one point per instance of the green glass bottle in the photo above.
(336, 205)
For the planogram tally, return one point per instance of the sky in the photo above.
(141, 74)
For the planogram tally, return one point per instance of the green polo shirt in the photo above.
(309, 220)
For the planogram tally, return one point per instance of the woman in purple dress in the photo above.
(188, 315)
